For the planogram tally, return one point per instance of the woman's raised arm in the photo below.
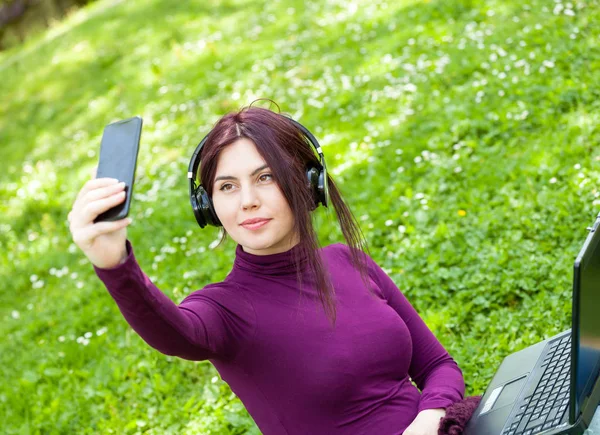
(213, 323)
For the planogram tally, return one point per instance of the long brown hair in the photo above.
(287, 151)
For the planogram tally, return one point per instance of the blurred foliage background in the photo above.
(22, 19)
(463, 134)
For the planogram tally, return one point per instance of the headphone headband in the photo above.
(195, 160)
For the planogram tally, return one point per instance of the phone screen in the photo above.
(118, 159)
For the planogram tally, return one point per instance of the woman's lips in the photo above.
(256, 225)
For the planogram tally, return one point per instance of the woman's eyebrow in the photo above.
(230, 177)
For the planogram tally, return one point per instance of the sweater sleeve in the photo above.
(212, 323)
(433, 370)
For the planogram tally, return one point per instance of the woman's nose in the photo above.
(249, 198)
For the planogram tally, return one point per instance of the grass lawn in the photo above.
(463, 134)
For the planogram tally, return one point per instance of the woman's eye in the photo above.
(228, 186)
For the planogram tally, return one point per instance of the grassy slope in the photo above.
(474, 126)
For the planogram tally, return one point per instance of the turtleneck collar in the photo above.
(272, 264)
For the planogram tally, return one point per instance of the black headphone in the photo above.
(202, 204)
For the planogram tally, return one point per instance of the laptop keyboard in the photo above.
(545, 407)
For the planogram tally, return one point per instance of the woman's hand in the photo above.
(103, 243)
(426, 422)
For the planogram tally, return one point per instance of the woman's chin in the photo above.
(263, 248)
(255, 243)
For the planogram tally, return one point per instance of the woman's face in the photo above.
(245, 189)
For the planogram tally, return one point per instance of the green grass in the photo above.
(463, 134)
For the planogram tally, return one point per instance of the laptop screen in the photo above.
(586, 325)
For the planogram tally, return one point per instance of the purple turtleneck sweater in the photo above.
(273, 344)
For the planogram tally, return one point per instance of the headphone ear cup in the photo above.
(316, 182)
(208, 210)
(203, 209)
(322, 188)
(196, 208)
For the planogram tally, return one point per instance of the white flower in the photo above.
(15, 314)
(83, 341)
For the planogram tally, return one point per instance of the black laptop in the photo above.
(552, 387)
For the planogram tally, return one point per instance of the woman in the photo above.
(312, 340)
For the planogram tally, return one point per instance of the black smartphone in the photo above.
(118, 159)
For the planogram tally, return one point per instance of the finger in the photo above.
(95, 208)
(102, 192)
(95, 184)
(93, 172)
(90, 210)
(89, 233)
(100, 228)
